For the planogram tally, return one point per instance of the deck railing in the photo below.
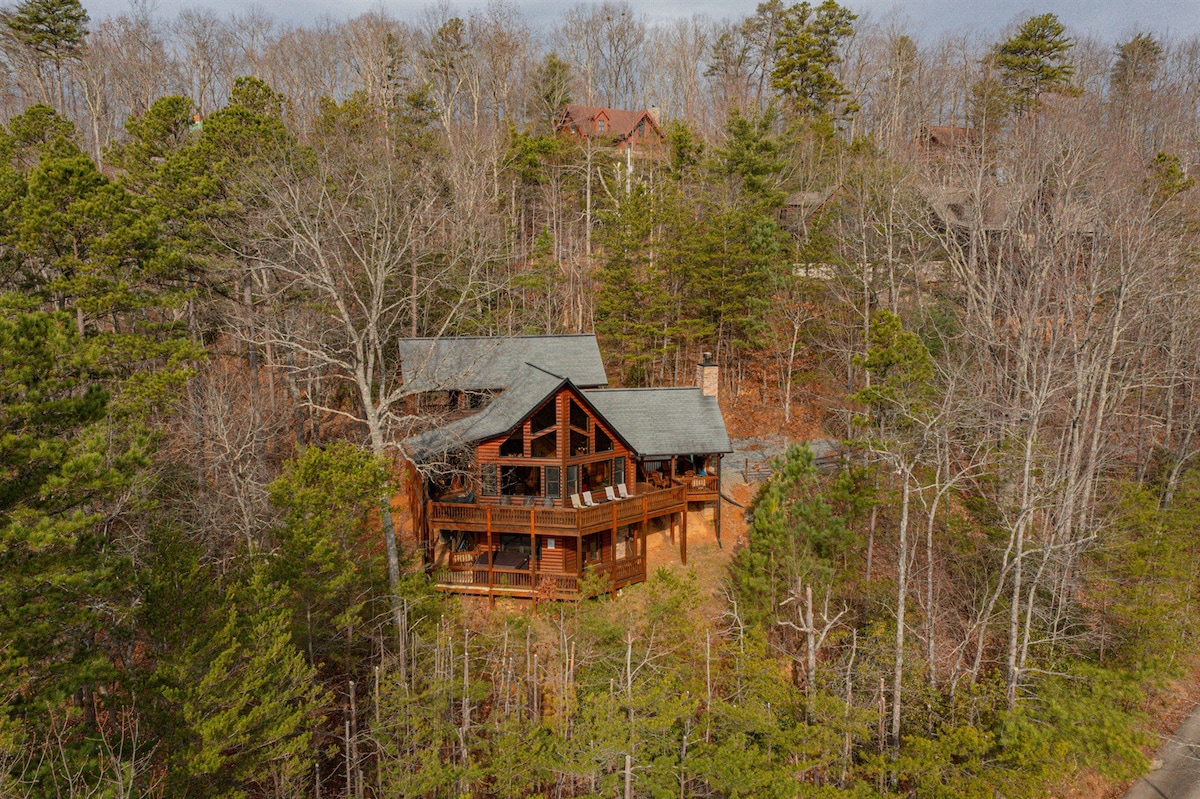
(522, 518)
(705, 484)
(524, 582)
(624, 571)
(560, 584)
(475, 577)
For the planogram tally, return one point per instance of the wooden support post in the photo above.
(683, 532)
(491, 554)
(717, 521)
(612, 547)
(642, 553)
(645, 525)
(533, 554)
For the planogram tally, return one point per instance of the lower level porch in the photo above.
(532, 582)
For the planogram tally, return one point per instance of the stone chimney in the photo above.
(707, 376)
(656, 114)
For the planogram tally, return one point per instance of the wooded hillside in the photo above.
(973, 260)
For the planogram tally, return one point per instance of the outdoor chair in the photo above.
(575, 503)
(623, 491)
(587, 499)
(609, 494)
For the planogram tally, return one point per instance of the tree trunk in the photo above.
(901, 592)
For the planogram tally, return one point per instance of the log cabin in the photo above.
(535, 473)
(624, 129)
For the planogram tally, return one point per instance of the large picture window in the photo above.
(597, 476)
(514, 447)
(521, 481)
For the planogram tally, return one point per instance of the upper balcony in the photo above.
(482, 516)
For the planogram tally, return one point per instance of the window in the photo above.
(476, 400)
(580, 443)
(545, 446)
(603, 442)
(514, 542)
(600, 125)
(521, 481)
(553, 481)
(572, 480)
(490, 481)
(618, 470)
(579, 417)
(437, 400)
(514, 447)
(546, 416)
(597, 476)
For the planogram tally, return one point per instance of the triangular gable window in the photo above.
(514, 447)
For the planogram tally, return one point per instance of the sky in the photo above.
(1107, 20)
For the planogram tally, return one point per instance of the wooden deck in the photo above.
(473, 572)
(649, 504)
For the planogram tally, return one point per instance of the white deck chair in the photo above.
(610, 494)
(588, 501)
(575, 503)
(623, 491)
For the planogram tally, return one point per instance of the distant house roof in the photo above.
(478, 363)
(622, 125)
(948, 137)
(664, 421)
(529, 387)
(961, 208)
(999, 208)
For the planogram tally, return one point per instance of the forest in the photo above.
(972, 259)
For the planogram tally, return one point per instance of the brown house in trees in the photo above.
(540, 474)
(625, 129)
(937, 140)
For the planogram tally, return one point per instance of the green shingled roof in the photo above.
(653, 422)
(527, 389)
(664, 421)
(477, 363)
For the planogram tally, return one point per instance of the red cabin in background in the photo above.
(625, 129)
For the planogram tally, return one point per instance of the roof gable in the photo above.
(530, 390)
